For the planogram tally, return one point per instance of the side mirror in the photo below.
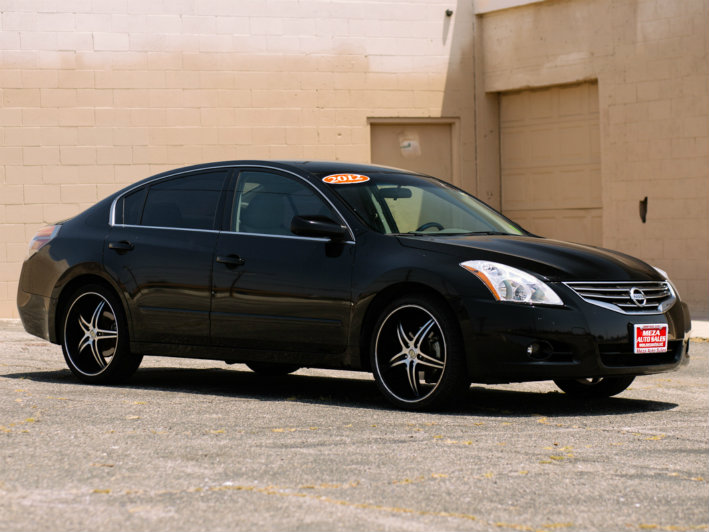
(318, 227)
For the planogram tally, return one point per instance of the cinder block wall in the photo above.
(95, 95)
(650, 59)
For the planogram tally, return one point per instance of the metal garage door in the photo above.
(550, 161)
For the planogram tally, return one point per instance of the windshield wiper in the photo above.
(488, 233)
(441, 233)
(425, 233)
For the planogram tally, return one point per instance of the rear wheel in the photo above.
(95, 337)
(594, 388)
(417, 354)
(272, 369)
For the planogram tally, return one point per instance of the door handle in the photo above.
(230, 261)
(123, 245)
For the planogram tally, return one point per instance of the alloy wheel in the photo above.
(410, 354)
(91, 333)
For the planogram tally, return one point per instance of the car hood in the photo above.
(553, 259)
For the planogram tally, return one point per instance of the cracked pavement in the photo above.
(199, 445)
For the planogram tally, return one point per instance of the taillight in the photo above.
(43, 237)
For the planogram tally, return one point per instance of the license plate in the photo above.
(651, 338)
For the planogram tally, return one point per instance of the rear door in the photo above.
(272, 289)
(161, 250)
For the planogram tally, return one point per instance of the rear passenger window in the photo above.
(186, 202)
(129, 208)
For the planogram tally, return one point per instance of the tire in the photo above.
(417, 356)
(95, 337)
(272, 369)
(596, 388)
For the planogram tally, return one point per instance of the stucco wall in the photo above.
(650, 60)
(95, 95)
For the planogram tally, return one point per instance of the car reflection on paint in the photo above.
(284, 265)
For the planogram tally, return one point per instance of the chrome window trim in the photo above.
(112, 211)
(291, 237)
(660, 309)
(168, 228)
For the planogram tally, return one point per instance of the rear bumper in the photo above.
(34, 312)
(507, 342)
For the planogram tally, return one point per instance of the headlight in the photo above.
(667, 278)
(510, 284)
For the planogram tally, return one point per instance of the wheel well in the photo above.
(381, 300)
(69, 289)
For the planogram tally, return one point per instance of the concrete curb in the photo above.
(700, 329)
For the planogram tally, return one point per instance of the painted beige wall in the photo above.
(95, 95)
(650, 60)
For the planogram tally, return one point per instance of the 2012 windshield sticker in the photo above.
(345, 179)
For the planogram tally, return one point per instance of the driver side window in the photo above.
(265, 203)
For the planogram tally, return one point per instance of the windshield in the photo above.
(408, 204)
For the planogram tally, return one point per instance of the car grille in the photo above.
(638, 297)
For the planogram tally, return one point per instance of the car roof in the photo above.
(316, 168)
(321, 168)
(310, 169)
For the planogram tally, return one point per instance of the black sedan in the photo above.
(283, 265)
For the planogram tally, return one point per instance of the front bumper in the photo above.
(509, 342)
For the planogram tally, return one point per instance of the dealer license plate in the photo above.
(651, 338)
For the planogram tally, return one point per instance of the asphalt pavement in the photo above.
(199, 445)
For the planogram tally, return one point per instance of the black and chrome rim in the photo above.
(410, 353)
(90, 333)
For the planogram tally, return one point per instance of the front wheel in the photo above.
(95, 337)
(417, 355)
(594, 388)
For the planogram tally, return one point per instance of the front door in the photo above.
(273, 290)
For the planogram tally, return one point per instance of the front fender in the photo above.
(378, 277)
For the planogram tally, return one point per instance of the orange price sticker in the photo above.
(345, 179)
